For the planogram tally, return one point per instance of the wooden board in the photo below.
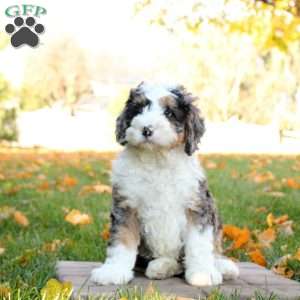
(253, 278)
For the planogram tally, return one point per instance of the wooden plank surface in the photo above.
(253, 278)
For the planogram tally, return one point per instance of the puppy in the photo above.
(163, 211)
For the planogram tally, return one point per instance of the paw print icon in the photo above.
(24, 32)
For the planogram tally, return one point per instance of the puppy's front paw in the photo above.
(228, 268)
(202, 277)
(111, 274)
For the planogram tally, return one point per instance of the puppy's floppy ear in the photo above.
(194, 129)
(194, 126)
(130, 110)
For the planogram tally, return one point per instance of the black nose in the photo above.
(147, 131)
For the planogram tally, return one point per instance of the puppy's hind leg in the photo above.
(163, 267)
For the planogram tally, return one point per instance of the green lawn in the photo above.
(32, 183)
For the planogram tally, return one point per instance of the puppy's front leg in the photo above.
(200, 259)
(122, 247)
(202, 239)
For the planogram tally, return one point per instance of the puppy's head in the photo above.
(157, 116)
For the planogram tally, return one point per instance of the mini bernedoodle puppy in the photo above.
(163, 212)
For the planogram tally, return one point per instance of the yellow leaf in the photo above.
(21, 219)
(271, 220)
(75, 217)
(5, 292)
(6, 212)
(2, 250)
(102, 188)
(261, 209)
(257, 257)
(96, 188)
(55, 290)
(297, 255)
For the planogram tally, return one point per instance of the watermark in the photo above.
(25, 29)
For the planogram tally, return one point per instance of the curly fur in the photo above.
(162, 209)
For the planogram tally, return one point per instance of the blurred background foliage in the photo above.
(241, 57)
(244, 55)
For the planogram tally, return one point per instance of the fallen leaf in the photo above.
(239, 236)
(280, 267)
(286, 228)
(259, 178)
(52, 246)
(6, 212)
(69, 181)
(297, 254)
(96, 188)
(292, 183)
(271, 220)
(5, 292)
(105, 234)
(21, 219)
(75, 217)
(234, 174)
(55, 290)
(102, 188)
(267, 237)
(261, 209)
(257, 257)
(2, 250)
(44, 186)
(210, 164)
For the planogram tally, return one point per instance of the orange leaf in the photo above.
(75, 217)
(105, 234)
(266, 237)
(281, 219)
(44, 186)
(257, 257)
(21, 219)
(292, 183)
(271, 220)
(69, 181)
(239, 236)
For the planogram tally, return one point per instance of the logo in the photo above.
(25, 30)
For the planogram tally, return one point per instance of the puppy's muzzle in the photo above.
(147, 131)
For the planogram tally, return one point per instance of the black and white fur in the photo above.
(162, 209)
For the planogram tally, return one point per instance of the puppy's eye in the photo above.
(168, 113)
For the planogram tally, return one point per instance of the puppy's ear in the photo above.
(194, 129)
(194, 126)
(130, 110)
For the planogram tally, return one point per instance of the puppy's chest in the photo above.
(160, 198)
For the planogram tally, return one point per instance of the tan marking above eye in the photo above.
(167, 101)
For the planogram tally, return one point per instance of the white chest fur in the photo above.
(160, 186)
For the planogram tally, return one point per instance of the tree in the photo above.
(240, 54)
(60, 72)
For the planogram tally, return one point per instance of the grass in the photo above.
(30, 252)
